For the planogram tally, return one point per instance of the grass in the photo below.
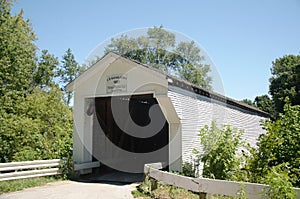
(163, 192)
(171, 192)
(17, 185)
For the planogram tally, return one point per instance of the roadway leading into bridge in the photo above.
(75, 190)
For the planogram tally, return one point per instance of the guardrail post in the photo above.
(153, 184)
(202, 195)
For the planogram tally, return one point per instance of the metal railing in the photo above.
(29, 169)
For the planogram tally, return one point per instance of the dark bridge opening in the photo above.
(106, 132)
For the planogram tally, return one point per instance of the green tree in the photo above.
(280, 144)
(46, 70)
(17, 57)
(188, 63)
(41, 129)
(17, 51)
(69, 70)
(264, 103)
(160, 50)
(248, 101)
(285, 81)
(34, 121)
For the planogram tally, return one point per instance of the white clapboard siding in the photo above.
(196, 111)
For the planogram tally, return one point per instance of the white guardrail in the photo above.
(29, 169)
(207, 187)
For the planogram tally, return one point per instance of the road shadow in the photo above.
(113, 178)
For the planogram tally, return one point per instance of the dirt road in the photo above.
(74, 190)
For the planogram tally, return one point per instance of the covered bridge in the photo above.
(127, 114)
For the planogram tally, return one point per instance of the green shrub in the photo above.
(188, 169)
(280, 145)
(220, 156)
(279, 183)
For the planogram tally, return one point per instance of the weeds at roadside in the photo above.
(17, 185)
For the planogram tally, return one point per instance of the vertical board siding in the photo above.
(196, 111)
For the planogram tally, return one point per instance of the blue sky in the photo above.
(241, 37)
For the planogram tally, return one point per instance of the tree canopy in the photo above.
(68, 71)
(40, 128)
(285, 81)
(46, 70)
(159, 49)
(248, 101)
(35, 123)
(17, 50)
(264, 103)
